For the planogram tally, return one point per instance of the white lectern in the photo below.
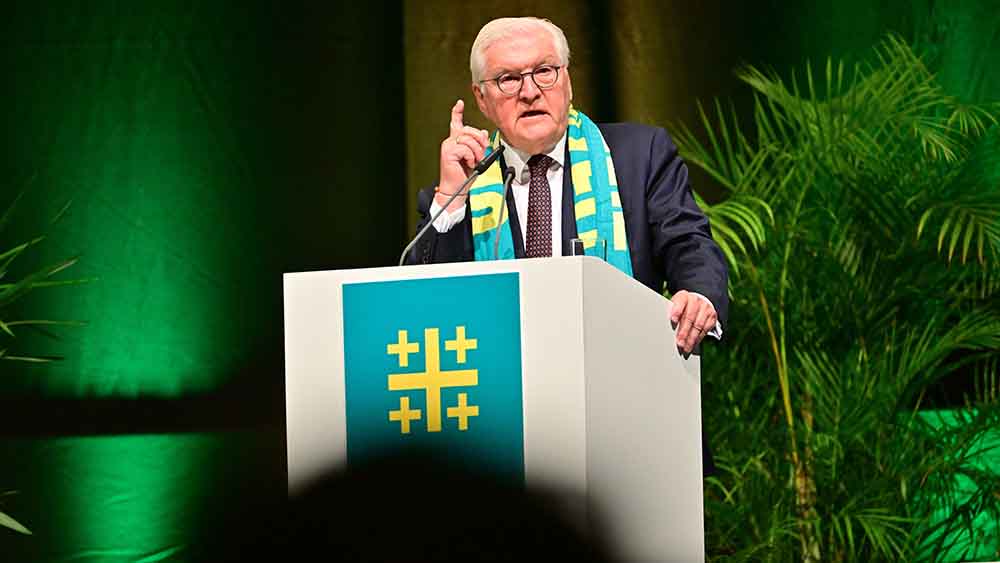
(609, 409)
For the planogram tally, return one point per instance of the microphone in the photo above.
(476, 171)
(508, 178)
(488, 161)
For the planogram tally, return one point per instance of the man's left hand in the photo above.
(693, 317)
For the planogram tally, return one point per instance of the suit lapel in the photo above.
(515, 223)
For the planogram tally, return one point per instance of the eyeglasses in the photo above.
(510, 83)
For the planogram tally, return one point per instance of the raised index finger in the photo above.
(456, 117)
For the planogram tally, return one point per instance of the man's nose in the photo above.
(529, 90)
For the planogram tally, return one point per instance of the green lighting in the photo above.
(983, 542)
(162, 212)
(129, 498)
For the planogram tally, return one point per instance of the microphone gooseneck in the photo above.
(476, 171)
(508, 178)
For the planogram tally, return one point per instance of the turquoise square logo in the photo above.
(436, 364)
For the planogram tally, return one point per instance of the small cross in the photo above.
(461, 344)
(404, 349)
(462, 412)
(404, 415)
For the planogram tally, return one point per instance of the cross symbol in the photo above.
(462, 412)
(433, 379)
(403, 348)
(405, 415)
(461, 344)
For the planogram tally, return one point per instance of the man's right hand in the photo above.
(464, 147)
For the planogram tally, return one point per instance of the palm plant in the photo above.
(12, 291)
(862, 228)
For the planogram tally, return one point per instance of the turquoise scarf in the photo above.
(597, 205)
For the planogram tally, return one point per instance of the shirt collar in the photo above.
(518, 159)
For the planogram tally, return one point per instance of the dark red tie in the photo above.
(539, 239)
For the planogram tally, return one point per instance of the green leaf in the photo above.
(955, 234)
(51, 283)
(29, 359)
(8, 522)
(12, 293)
(5, 218)
(41, 322)
(730, 236)
(59, 215)
(7, 257)
(730, 256)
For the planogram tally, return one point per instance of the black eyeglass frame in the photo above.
(521, 75)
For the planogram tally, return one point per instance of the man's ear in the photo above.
(477, 92)
(569, 84)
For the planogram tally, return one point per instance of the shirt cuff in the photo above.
(715, 332)
(448, 219)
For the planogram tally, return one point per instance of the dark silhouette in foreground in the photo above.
(405, 508)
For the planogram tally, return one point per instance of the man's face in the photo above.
(531, 120)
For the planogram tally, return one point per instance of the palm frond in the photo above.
(873, 271)
(728, 156)
(986, 381)
(18, 288)
(972, 119)
(884, 532)
(29, 282)
(936, 139)
(10, 255)
(738, 222)
(846, 249)
(970, 221)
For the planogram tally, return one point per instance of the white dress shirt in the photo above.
(519, 188)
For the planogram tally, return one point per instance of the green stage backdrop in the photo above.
(207, 147)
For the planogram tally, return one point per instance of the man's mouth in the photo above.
(534, 113)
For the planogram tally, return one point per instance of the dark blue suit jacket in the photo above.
(668, 235)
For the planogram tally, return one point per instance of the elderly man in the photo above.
(623, 184)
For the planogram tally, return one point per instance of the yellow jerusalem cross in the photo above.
(433, 379)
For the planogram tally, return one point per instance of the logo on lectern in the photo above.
(432, 379)
(435, 364)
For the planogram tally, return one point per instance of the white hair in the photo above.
(503, 28)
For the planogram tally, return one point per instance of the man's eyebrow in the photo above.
(546, 61)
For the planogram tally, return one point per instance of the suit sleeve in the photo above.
(682, 238)
(434, 247)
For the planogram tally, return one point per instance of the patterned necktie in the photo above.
(539, 239)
